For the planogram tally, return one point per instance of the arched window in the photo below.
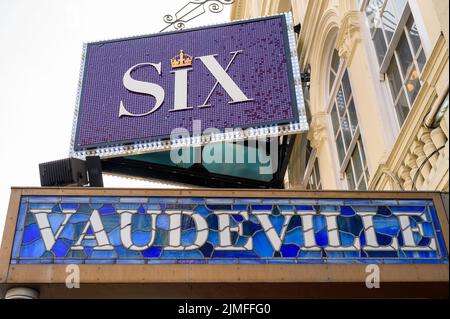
(346, 132)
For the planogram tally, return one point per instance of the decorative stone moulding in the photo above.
(318, 130)
(348, 36)
(426, 157)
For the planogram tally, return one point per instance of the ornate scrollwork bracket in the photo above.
(193, 9)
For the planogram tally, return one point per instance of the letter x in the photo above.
(223, 78)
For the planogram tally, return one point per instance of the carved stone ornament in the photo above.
(318, 130)
(348, 36)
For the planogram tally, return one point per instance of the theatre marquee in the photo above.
(227, 237)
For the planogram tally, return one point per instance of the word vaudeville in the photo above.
(239, 229)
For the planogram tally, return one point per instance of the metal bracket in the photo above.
(192, 10)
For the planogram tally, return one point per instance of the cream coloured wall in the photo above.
(395, 155)
(441, 8)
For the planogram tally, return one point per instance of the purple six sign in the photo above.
(134, 92)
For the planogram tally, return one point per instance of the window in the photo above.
(311, 179)
(357, 172)
(346, 131)
(383, 17)
(335, 61)
(314, 181)
(399, 50)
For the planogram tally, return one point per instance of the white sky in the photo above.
(40, 55)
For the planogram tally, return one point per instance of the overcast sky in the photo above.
(40, 55)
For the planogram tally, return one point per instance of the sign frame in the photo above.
(230, 273)
(163, 143)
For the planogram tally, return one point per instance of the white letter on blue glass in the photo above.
(125, 229)
(175, 230)
(225, 230)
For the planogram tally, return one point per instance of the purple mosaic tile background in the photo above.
(261, 71)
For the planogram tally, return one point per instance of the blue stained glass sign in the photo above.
(177, 230)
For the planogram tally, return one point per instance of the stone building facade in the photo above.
(377, 92)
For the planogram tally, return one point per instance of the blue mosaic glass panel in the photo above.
(126, 230)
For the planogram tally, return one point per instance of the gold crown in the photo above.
(181, 61)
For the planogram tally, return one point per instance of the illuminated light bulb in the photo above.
(410, 87)
(414, 75)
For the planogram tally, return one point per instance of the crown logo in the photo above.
(181, 61)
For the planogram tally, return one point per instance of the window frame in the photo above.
(310, 169)
(392, 54)
(357, 136)
(314, 174)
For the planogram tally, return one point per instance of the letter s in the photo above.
(142, 87)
